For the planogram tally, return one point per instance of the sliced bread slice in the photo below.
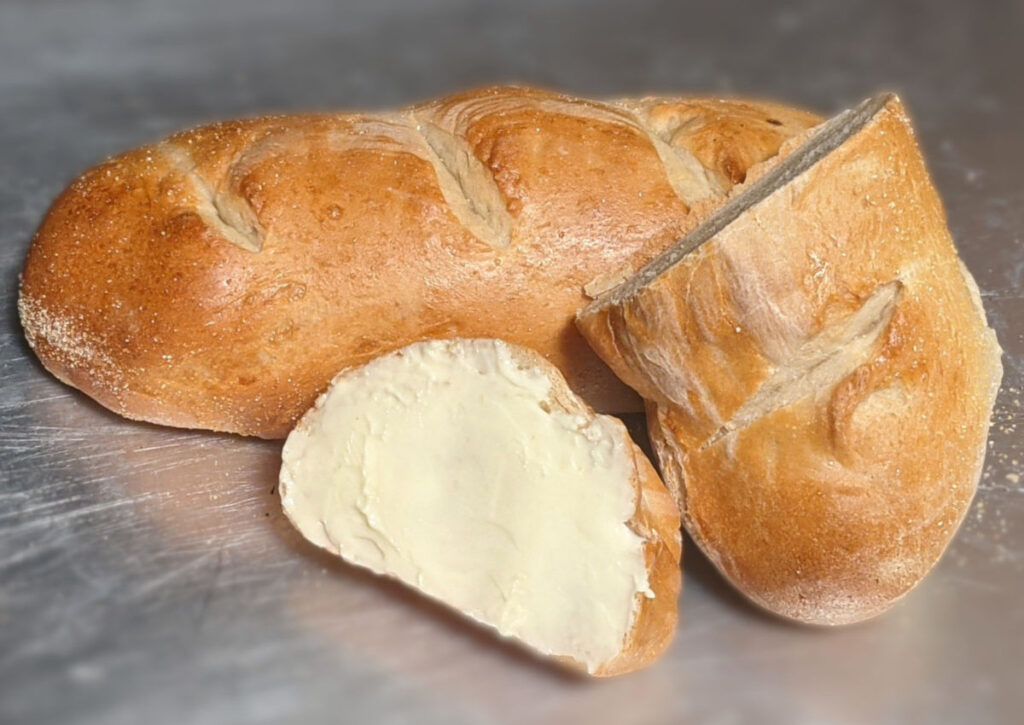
(467, 469)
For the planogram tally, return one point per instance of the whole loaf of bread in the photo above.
(219, 279)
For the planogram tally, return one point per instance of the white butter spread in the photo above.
(443, 465)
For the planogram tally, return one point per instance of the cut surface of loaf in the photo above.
(818, 371)
(468, 470)
(219, 278)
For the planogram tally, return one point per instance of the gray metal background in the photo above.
(146, 574)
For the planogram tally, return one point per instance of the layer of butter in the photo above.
(444, 466)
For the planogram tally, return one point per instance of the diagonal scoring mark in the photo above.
(687, 176)
(224, 211)
(467, 185)
(821, 362)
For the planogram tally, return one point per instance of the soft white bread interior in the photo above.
(468, 470)
(818, 370)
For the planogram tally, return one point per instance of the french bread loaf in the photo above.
(218, 279)
(467, 469)
(818, 371)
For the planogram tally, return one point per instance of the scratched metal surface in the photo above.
(146, 574)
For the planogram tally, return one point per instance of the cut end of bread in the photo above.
(468, 470)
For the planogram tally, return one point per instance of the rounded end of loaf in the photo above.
(120, 295)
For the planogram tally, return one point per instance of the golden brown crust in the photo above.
(820, 378)
(143, 287)
(728, 136)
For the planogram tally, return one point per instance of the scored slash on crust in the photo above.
(820, 363)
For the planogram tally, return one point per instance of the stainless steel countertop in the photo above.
(147, 575)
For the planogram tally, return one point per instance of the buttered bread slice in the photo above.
(467, 469)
